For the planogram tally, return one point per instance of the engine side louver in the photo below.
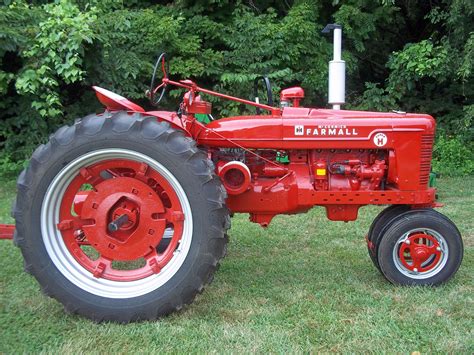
(425, 158)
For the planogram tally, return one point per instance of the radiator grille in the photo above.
(425, 158)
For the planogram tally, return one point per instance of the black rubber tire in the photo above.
(425, 218)
(181, 157)
(165, 242)
(379, 226)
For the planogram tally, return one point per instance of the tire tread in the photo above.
(120, 124)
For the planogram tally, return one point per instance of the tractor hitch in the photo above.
(7, 231)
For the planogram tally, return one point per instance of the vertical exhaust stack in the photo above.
(337, 70)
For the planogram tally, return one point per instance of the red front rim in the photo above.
(420, 253)
(139, 202)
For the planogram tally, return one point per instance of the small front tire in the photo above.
(379, 226)
(420, 247)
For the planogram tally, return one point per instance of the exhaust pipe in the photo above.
(337, 69)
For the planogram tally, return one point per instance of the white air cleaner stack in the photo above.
(337, 70)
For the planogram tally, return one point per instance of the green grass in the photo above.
(304, 284)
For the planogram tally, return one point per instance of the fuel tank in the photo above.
(305, 128)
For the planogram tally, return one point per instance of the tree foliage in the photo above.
(410, 55)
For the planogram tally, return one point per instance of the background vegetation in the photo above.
(309, 284)
(409, 55)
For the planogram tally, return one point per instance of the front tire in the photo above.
(420, 247)
(94, 205)
(378, 228)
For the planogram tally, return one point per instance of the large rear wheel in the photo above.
(121, 218)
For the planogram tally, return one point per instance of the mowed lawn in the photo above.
(304, 284)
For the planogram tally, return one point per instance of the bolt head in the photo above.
(415, 270)
(438, 248)
(407, 242)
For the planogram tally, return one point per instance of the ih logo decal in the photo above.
(380, 139)
(299, 130)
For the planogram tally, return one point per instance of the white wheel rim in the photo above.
(67, 264)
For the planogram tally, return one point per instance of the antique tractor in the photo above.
(123, 216)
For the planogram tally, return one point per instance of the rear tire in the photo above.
(420, 247)
(192, 202)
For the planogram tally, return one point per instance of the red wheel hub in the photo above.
(130, 197)
(420, 252)
(125, 208)
(123, 216)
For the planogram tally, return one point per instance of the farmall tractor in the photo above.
(123, 216)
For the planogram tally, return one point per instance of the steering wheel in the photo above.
(268, 88)
(157, 93)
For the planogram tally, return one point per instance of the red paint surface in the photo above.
(115, 102)
(417, 252)
(135, 190)
(7, 231)
(294, 94)
(385, 157)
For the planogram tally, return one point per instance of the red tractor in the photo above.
(123, 216)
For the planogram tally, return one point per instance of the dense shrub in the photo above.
(52, 52)
(452, 156)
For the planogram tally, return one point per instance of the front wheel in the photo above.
(378, 227)
(121, 218)
(420, 247)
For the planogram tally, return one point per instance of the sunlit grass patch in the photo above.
(304, 284)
